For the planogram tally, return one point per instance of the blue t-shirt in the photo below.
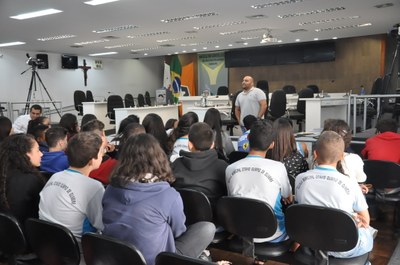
(243, 142)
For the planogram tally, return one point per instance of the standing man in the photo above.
(251, 101)
(20, 125)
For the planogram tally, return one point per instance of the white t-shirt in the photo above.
(353, 166)
(71, 199)
(180, 144)
(325, 186)
(262, 179)
(20, 125)
(249, 102)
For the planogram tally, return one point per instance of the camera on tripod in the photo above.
(33, 61)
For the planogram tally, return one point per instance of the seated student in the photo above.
(86, 118)
(20, 181)
(103, 172)
(130, 130)
(200, 169)
(153, 125)
(38, 128)
(70, 122)
(385, 145)
(55, 160)
(5, 127)
(260, 178)
(70, 198)
(20, 125)
(141, 208)
(335, 190)
(178, 140)
(243, 142)
(170, 125)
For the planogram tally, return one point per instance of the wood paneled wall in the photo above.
(358, 62)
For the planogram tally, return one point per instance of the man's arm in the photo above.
(263, 108)
(362, 218)
(237, 113)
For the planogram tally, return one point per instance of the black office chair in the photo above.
(168, 258)
(147, 98)
(314, 88)
(384, 176)
(277, 108)
(101, 249)
(12, 239)
(79, 97)
(129, 102)
(249, 219)
(232, 122)
(289, 89)
(53, 243)
(300, 113)
(236, 156)
(263, 85)
(322, 229)
(196, 206)
(113, 102)
(89, 96)
(222, 90)
(140, 99)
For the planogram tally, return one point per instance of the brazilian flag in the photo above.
(176, 71)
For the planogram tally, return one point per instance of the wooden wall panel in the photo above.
(358, 62)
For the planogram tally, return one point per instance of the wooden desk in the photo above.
(192, 101)
(320, 109)
(99, 109)
(165, 112)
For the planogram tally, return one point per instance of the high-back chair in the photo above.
(222, 90)
(12, 239)
(322, 229)
(54, 244)
(79, 97)
(147, 98)
(314, 88)
(289, 89)
(89, 96)
(101, 249)
(277, 107)
(300, 114)
(250, 218)
(129, 102)
(140, 99)
(113, 102)
(196, 206)
(168, 258)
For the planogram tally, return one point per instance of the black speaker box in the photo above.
(43, 58)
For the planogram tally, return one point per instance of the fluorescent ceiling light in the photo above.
(37, 14)
(103, 53)
(99, 2)
(11, 43)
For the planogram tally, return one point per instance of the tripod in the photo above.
(33, 86)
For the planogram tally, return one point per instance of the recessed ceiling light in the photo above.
(334, 38)
(232, 23)
(204, 48)
(316, 39)
(99, 2)
(59, 37)
(118, 28)
(274, 4)
(6, 44)
(279, 41)
(230, 45)
(313, 12)
(184, 51)
(176, 52)
(102, 53)
(344, 27)
(91, 42)
(150, 34)
(217, 46)
(297, 40)
(145, 54)
(245, 43)
(145, 49)
(184, 18)
(120, 46)
(242, 31)
(39, 13)
(194, 50)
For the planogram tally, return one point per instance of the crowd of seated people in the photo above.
(128, 191)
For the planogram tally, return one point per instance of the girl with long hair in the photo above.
(154, 125)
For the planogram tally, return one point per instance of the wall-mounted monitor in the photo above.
(69, 61)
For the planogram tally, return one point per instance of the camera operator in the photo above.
(20, 125)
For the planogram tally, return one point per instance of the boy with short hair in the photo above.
(200, 169)
(243, 142)
(260, 178)
(325, 186)
(70, 197)
(55, 160)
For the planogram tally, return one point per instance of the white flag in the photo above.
(167, 76)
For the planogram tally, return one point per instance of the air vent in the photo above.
(76, 46)
(184, 18)
(260, 16)
(274, 4)
(110, 37)
(191, 31)
(384, 5)
(298, 30)
(167, 45)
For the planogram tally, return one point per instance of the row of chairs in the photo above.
(56, 245)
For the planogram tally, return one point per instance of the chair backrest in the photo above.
(196, 206)
(321, 228)
(101, 249)
(147, 98)
(140, 99)
(277, 108)
(236, 156)
(246, 217)
(301, 104)
(113, 102)
(12, 239)
(223, 90)
(129, 102)
(89, 96)
(233, 115)
(382, 174)
(289, 89)
(314, 88)
(185, 90)
(79, 97)
(53, 243)
(377, 86)
(168, 258)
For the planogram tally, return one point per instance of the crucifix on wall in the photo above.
(85, 69)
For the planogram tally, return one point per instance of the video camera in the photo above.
(33, 61)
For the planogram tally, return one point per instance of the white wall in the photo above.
(116, 77)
